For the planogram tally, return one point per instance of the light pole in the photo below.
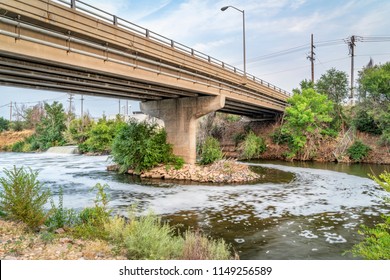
(243, 31)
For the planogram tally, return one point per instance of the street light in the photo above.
(243, 33)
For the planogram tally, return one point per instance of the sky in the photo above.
(277, 39)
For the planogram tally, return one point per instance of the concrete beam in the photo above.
(180, 117)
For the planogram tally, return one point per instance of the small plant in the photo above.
(376, 243)
(210, 151)
(18, 147)
(152, 240)
(358, 150)
(91, 220)
(199, 247)
(60, 217)
(252, 146)
(22, 197)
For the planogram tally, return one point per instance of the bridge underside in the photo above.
(27, 72)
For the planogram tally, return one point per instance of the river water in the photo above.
(295, 212)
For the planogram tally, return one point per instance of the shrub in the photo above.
(4, 124)
(60, 217)
(22, 197)
(142, 146)
(101, 136)
(199, 247)
(152, 240)
(365, 122)
(210, 151)
(376, 243)
(252, 146)
(147, 237)
(90, 221)
(17, 125)
(281, 136)
(18, 147)
(358, 150)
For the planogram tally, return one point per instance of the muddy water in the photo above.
(295, 212)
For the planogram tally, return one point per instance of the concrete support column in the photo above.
(180, 117)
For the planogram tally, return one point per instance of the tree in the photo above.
(334, 84)
(49, 131)
(374, 91)
(307, 120)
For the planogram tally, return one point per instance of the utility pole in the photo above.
(119, 108)
(82, 106)
(70, 100)
(351, 45)
(311, 58)
(82, 112)
(10, 112)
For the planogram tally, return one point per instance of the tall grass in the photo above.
(148, 238)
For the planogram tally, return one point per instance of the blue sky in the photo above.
(271, 27)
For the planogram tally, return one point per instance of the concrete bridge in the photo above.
(73, 47)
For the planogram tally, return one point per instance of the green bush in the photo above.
(79, 130)
(101, 136)
(376, 243)
(18, 147)
(90, 221)
(147, 237)
(358, 151)
(281, 136)
(210, 151)
(152, 240)
(22, 197)
(142, 146)
(365, 122)
(60, 217)
(4, 124)
(17, 125)
(253, 146)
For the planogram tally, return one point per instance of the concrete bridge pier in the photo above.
(180, 117)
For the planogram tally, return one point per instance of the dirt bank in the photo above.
(8, 138)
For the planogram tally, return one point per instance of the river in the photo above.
(295, 212)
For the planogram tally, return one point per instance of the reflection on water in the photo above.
(294, 212)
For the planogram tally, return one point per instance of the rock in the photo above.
(59, 231)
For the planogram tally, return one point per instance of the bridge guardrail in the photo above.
(115, 20)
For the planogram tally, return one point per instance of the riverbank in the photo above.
(8, 138)
(223, 171)
(229, 132)
(18, 244)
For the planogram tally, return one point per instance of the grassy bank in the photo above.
(28, 231)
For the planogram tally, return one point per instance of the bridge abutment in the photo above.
(180, 117)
